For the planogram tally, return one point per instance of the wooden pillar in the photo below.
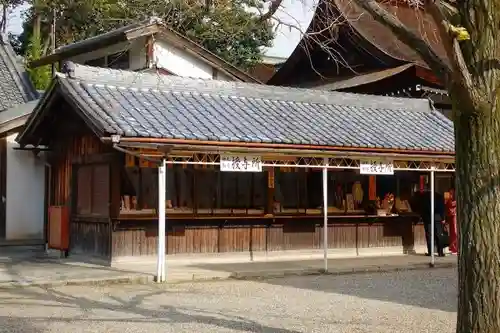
(372, 188)
(115, 170)
(270, 190)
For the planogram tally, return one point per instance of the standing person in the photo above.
(451, 220)
(422, 202)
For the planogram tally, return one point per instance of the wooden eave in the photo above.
(340, 84)
(297, 149)
(372, 77)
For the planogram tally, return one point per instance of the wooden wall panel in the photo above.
(275, 238)
(62, 160)
(341, 236)
(84, 190)
(259, 238)
(384, 235)
(133, 243)
(176, 241)
(90, 238)
(202, 239)
(234, 239)
(300, 235)
(101, 190)
(419, 234)
(363, 235)
(207, 236)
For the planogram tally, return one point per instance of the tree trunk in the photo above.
(37, 21)
(478, 213)
(37, 26)
(472, 76)
(5, 15)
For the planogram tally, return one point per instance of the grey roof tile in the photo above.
(147, 105)
(15, 86)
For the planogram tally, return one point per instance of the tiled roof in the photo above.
(15, 86)
(15, 117)
(148, 105)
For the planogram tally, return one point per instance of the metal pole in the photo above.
(432, 217)
(325, 213)
(161, 221)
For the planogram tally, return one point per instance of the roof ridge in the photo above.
(171, 83)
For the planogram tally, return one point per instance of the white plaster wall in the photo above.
(181, 63)
(25, 193)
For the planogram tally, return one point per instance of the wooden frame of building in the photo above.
(108, 133)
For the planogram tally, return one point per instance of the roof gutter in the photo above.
(277, 147)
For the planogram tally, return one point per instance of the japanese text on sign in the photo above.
(240, 163)
(376, 167)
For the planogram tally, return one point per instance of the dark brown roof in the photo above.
(378, 47)
(382, 37)
(130, 32)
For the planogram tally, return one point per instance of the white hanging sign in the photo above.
(376, 167)
(241, 163)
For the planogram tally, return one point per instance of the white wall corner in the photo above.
(25, 193)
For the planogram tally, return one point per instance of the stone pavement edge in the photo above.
(46, 271)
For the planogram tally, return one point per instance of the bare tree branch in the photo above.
(461, 74)
(409, 37)
(273, 8)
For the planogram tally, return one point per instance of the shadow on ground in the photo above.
(37, 267)
(129, 311)
(415, 288)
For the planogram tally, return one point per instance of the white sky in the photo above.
(297, 13)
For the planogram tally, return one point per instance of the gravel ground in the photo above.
(412, 301)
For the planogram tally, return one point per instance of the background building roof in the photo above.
(15, 85)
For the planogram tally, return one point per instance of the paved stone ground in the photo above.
(23, 268)
(410, 301)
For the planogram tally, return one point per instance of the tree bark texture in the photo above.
(477, 145)
(473, 81)
(478, 214)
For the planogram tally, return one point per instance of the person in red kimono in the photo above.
(451, 221)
